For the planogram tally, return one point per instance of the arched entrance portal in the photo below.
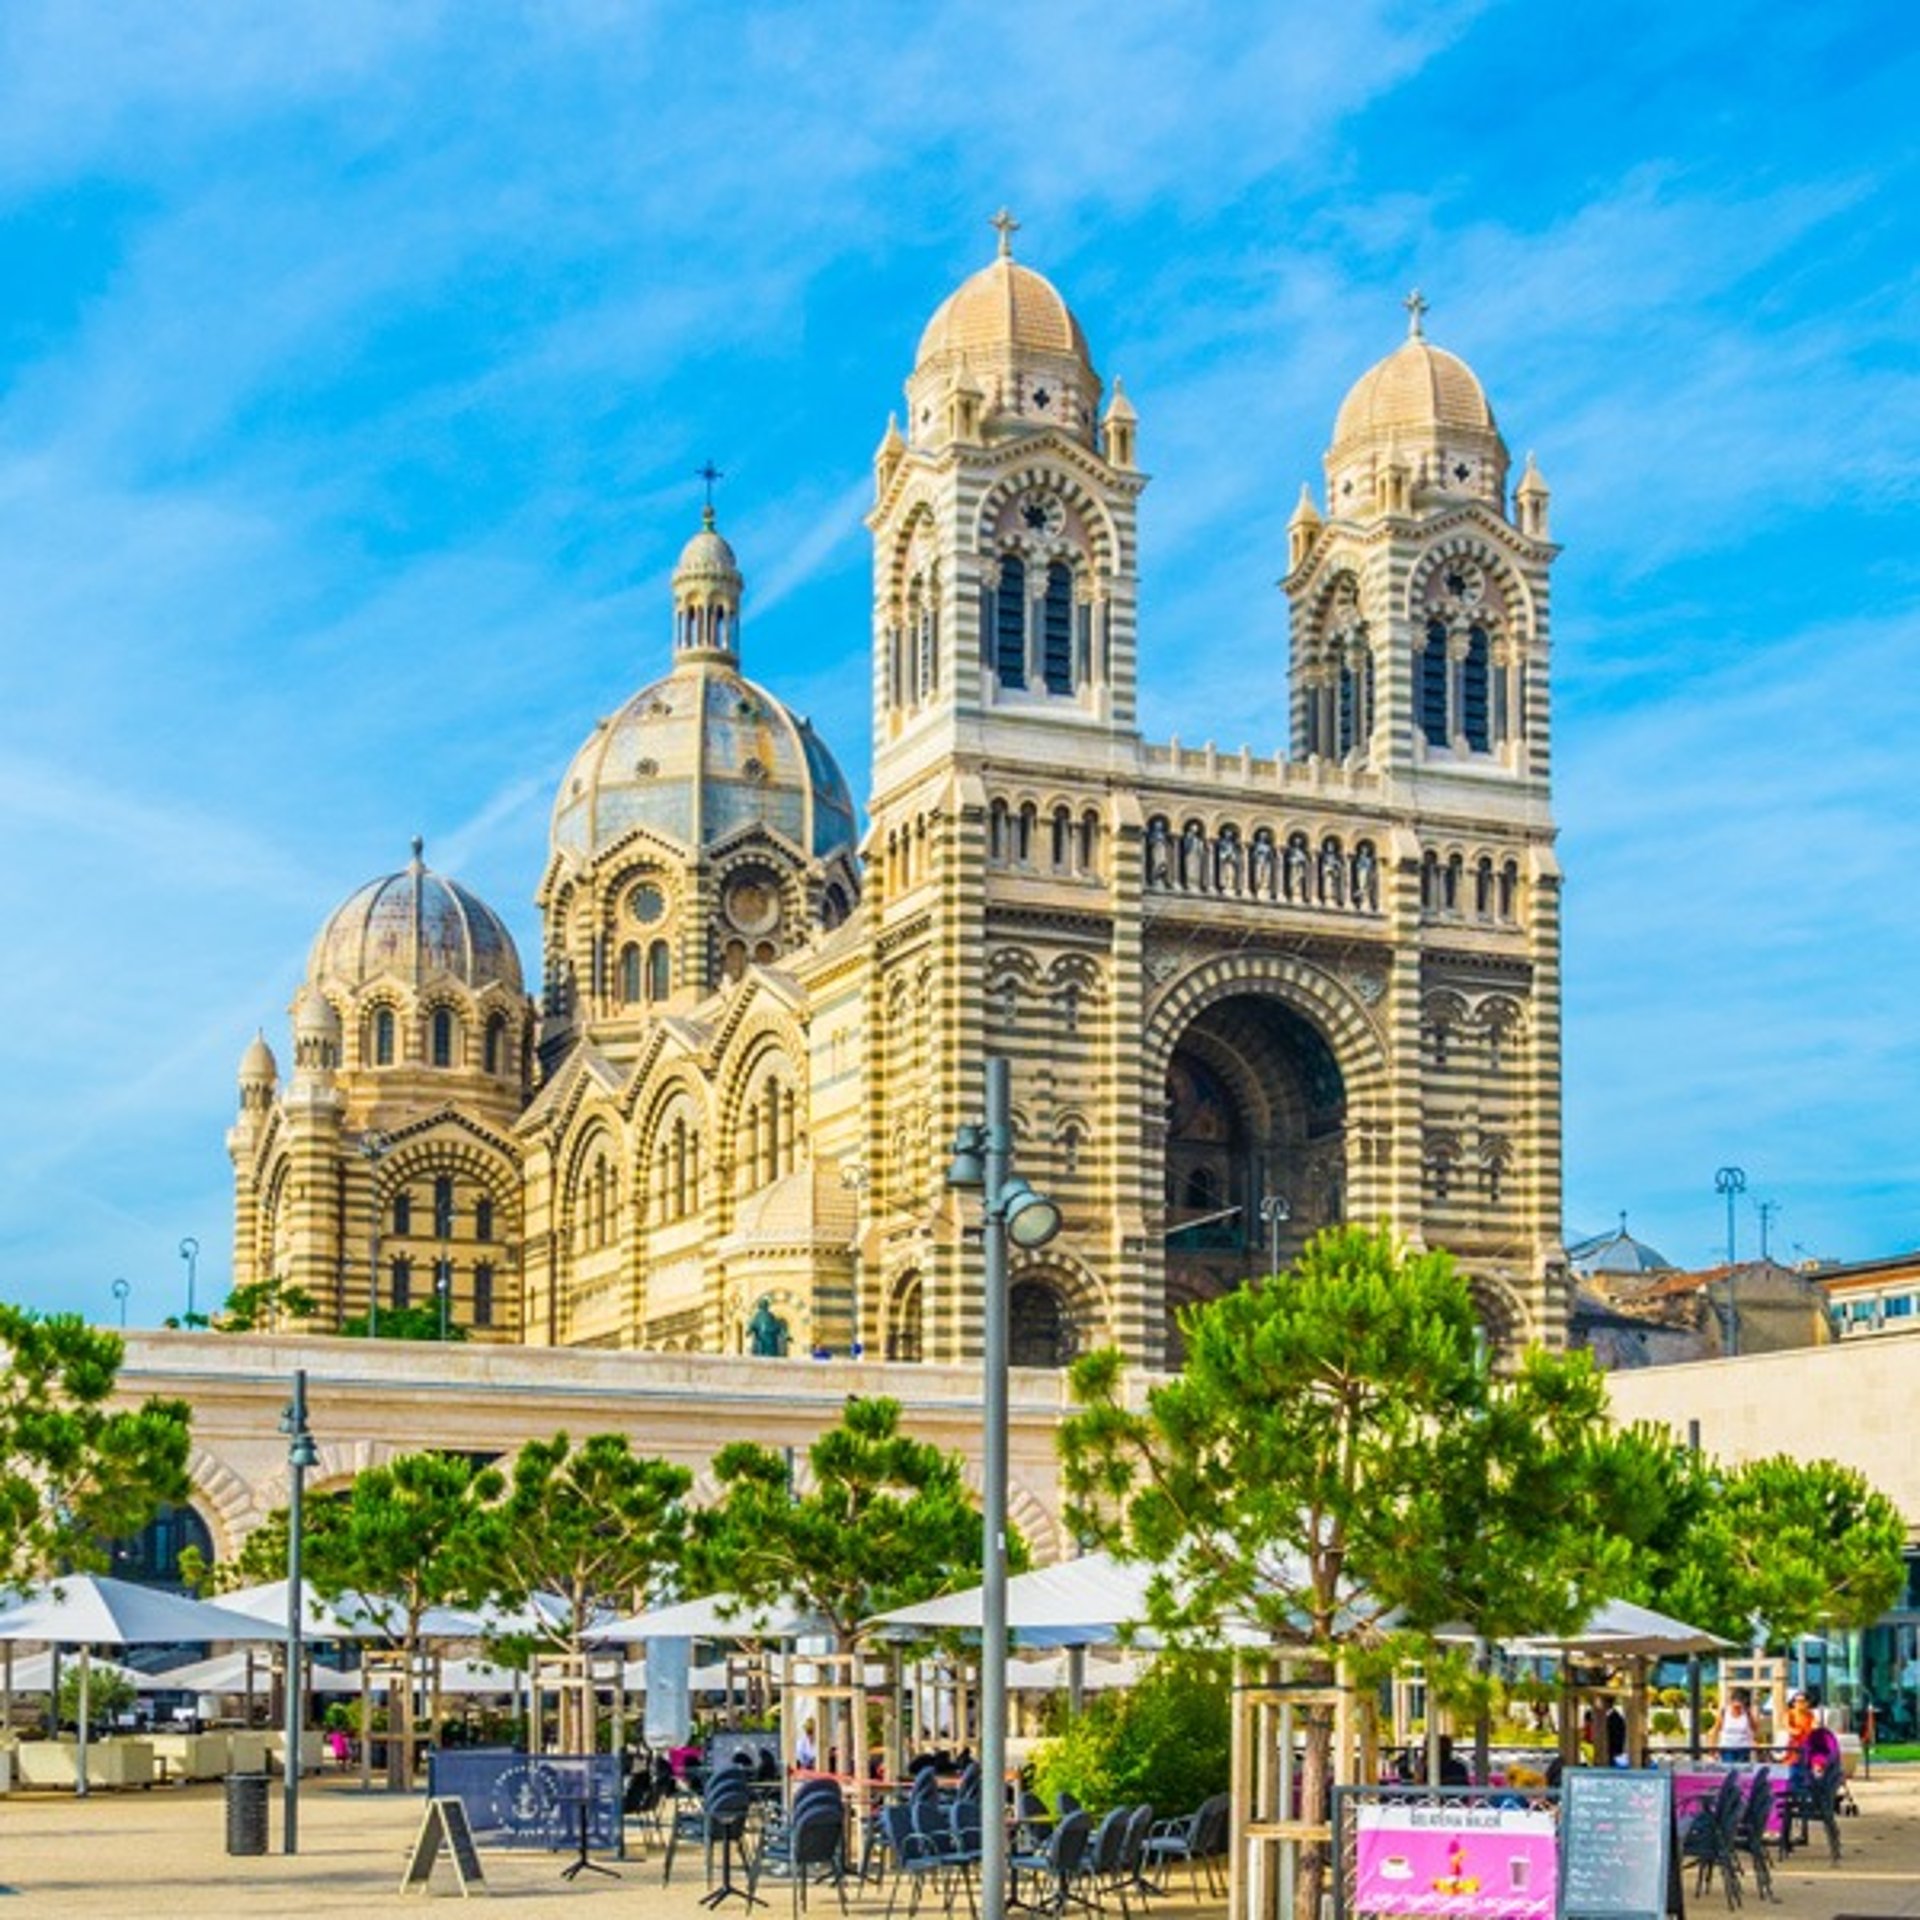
(1256, 1116)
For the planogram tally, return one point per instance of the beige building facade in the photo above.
(1243, 995)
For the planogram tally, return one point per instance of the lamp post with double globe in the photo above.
(190, 1253)
(1014, 1215)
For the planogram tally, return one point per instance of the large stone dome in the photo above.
(1417, 386)
(695, 757)
(412, 925)
(1004, 307)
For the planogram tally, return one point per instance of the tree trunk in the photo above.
(1316, 1803)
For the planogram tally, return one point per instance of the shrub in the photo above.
(1165, 1740)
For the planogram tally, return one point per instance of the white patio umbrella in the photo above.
(87, 1610)
(1095, 1600)
(346, 1617)
(35, 1674)
(231, 1673)
(1621, 1627)
(716, 1616)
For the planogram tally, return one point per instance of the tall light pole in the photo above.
(190, 1253)
(121, 1288)
(853, 1179)
(301, 1454)
(1276, 1210)
(1731, 1183)
(1014, 1212)
(372, 1146)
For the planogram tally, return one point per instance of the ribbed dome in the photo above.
(1416, 386)
(1004, 305)
(1616, 1253)
(707, 560)
(697, 756)
(414, 924)
(258, 1063)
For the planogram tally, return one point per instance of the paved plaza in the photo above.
(160, 1853)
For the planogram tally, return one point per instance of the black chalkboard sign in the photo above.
(445, 1824)
(1616, 1844)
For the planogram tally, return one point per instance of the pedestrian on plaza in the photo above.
(1801, 1721)
(1733, 1730)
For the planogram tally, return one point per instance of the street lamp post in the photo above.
(121, 1288)
(372, 1146)
(1731, 1183)
(1014, 1212)
(301, 1454)
(190, 1253)
(1276, 1210)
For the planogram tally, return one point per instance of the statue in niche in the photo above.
(1366, 879)
(1296, 871)
(766, 1332)
(1261, 865)
(1226, 861)
(1159, 856)
(1193, 855)
(1333, 876)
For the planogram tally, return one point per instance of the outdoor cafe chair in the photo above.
(1130, 1875)
(1814, 1798)
(1102, 1863)
(811, 1848)
(1751, 1836)
(1199, 1839)
(915, 1859)
(1709, 1841)
(1055, 1866)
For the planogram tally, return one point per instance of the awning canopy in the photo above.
(1095, 1600)
(717, 1616)
(85, 1609)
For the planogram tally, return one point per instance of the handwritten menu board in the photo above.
(1616, 1842)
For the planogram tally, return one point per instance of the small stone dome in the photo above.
(697, 756)
(707, 561)
(1616, 1253)
(258, 1063)
(1003, 306)
(414, 924)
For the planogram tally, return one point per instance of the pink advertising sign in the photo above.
(1467, 1863)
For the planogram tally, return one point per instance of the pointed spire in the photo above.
(1532, 482)
(1120, 407)
(1305, 513)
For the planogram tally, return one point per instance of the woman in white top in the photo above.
(1733, 1731)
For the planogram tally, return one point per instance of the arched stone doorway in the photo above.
(152, 1556)
(1255, 1127)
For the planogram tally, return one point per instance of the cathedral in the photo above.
(1242, 997)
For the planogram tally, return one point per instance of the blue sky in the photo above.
(355, 359)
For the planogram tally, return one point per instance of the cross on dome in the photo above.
(1416, 304)
(708, 474)
(1007, 226)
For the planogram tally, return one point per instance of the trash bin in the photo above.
(246, 1813)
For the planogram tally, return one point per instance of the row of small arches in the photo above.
(1445, 1169)
(443, 1040)
(1486, 890)
(1262, 867)
(1063, 843)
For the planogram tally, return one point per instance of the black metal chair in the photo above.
(810, 1848)
(1814, 1797)
(726, 1806)
(1709, 1841)
(1130, 1871)
(1097, 1871)
(913, 1857)
(1751, 1836)
(1056, 1866)
(1199, 1840)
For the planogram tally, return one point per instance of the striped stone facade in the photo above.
(1243, 996)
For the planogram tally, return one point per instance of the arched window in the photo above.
(402, 1215)
(1509, 890)
(443, 1206)
(483, 1294)
(483, 1218)
(383, 1037)
(659, 971)
(998, 836)
(1062, 840)
(1010, 623)
(1483, 887)
(1433, 685)
(1090, 844)
(1023, 834)
(495, 1053)
(443, 1036)
(630, 974)
(1202, 1191)
(1056, 629)
(903, 1319)
(1475, 674)
(402, 1289)
(1038, 1331)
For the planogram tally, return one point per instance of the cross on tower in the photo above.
(1416, 305)
(1007, 226)
(709, 474)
